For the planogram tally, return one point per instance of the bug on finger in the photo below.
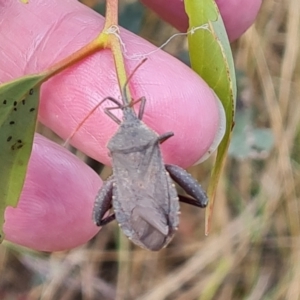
(141, 191)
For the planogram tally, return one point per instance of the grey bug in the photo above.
(141, 192)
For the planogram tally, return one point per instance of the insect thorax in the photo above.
(132, 136)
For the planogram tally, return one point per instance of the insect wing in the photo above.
(144, 199)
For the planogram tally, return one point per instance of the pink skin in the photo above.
(238, 15)
(54, 212)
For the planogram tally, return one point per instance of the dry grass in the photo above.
(253, 251)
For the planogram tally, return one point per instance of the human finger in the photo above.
(55, 208)
(178, 100)
(238, 16)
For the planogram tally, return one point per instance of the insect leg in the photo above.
(162, 138)
(108, 109)
(92, 111)
(103, 203)
(142, 106)
(114, 101)
(111, 115)
(189, 200)
(189, 184)
(126, 101)
(107, 220)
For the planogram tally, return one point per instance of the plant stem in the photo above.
(106, 39)
(111, 14)
(115, 45)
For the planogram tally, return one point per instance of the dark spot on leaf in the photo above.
(12, 122)
(15, 103)
(32, 109)
(19, 141)
(20, 146)
(31, 92)
(12, 147)
(4, 101)
(9, 138)
(23, 101)
(15, 109)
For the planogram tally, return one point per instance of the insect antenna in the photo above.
(81, 123)
(125, 102)
(125, 94)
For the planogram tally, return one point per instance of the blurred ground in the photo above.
(253, 251)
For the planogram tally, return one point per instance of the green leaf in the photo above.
(19, 103)
(211, 58)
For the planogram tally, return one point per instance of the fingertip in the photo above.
(235, 23)
(55, 208)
